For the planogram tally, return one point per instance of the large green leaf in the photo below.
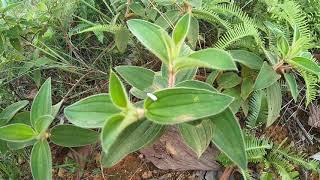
(138, 77)
(228, 137)
(167, 19)
(181, 30)
(91, 112)
(22, 117)
(292, 83)
(210, 58)
(196, 84)
(228, 80)
(20, 145)
(266, 77)
(178, 105)
(274, 99)
(193, 33)
(246, 87)
(306, 64)
(153, 37)
(114, 126)
(17, 133)
(247, 58)
(117, 91)
(42, 103)
(41, 161)
(236, 103)
(131, 139)
(198, 136)
(8, 113)
(72, 136)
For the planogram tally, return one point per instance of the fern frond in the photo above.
(236, 33)
(256, 147)
(246, 174)
(211, 17)
(284, 167)
(234, 10)
(311, 85)
(258, 109)
(297, 158)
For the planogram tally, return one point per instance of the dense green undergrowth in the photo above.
(122, 72)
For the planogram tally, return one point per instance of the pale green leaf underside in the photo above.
(42, 104)
(131, 139)
(8, 113)
(41, 161)
(197, 137)
(91, 112)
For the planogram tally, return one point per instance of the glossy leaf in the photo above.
(210, 58)
(228, 80)
(8, 113)
(42, 103)
(91, 112)
(41, 161)
(131, 139)
(197, 137)
(247, 58)
(17, 133)
(292, 83)
(228, 137)
(117, 91)
(138, 77)
(178, 105)
(306, 64)
(72, 136)
(266, 77)
(181, 30)
(153, 37)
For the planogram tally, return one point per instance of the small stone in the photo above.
(61, 172)
(141, 156)
(147, 174)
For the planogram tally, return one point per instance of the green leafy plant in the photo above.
(275, 160)
(35, 130)
(170, 97)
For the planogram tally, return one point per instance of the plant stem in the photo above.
(172, 76)
(227, 173)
